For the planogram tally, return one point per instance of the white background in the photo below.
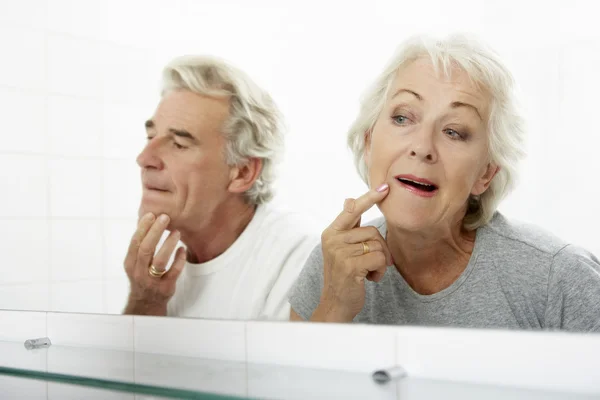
(79, 78)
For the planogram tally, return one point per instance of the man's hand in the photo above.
(150, 294)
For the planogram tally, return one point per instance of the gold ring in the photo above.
(365, 248)
(156, 273)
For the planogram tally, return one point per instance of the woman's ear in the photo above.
(484, 180)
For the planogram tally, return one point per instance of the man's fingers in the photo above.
(148, 246)
(354, 208)
(136, 240)
(178, 264)
(163, 255)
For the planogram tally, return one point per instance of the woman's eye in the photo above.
(400, 119)
(454, 134)
(178, 146)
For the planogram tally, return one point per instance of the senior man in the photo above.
(207, 174)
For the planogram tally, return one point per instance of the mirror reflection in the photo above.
(282, 169)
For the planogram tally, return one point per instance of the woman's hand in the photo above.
(151, 284)
(351, 253)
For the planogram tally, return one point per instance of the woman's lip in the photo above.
(416, 179)
(416, 191)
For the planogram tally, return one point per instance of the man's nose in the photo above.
(150, 155)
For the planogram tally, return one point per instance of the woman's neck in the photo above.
(431, 261)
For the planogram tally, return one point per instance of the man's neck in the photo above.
(432, 261)
(214, 238)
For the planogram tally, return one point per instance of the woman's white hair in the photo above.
(505, 125)
(255, 126)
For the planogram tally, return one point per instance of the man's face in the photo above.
(184, 173)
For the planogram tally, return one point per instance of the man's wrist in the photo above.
(143, 307)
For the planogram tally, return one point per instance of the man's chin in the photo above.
(143, 210)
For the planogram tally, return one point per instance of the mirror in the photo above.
(79, 79)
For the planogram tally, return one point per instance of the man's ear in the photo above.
(242, 177)
(485, 179)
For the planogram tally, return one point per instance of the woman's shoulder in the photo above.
(504, 233)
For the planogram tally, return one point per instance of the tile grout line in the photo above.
(47, 395)
(47, 163)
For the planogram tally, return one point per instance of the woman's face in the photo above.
(430, 145)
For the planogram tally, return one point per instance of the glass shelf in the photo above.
(78, 372)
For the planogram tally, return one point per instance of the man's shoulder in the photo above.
(285, 228)
(277, 218)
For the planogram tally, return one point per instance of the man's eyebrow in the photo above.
(183, 134)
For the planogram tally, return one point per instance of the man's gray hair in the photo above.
(505, 125)
(255, 126)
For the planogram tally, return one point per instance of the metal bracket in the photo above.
(383, 376)
(39, 343)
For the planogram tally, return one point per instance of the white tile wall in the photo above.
(190, 337)
(23, 120)
(77, 296)
(20, 326)
(76, 188)
(131, 75)
(118, 234)
(83, 74)
(89, 330)
(321, 346)
(124, 133)
(25, 264)
(116, 292)
(122, 189)
(25, 186)
(75, 126)
(23, 58)
(459, 358)
(107, 20)
(30, 296)
(76, 250)
(24, 13)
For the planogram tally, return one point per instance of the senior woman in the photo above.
(437, 140)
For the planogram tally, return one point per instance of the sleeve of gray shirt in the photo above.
(574, 291)
(306, 293)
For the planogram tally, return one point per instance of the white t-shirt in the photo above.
(252, 278)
